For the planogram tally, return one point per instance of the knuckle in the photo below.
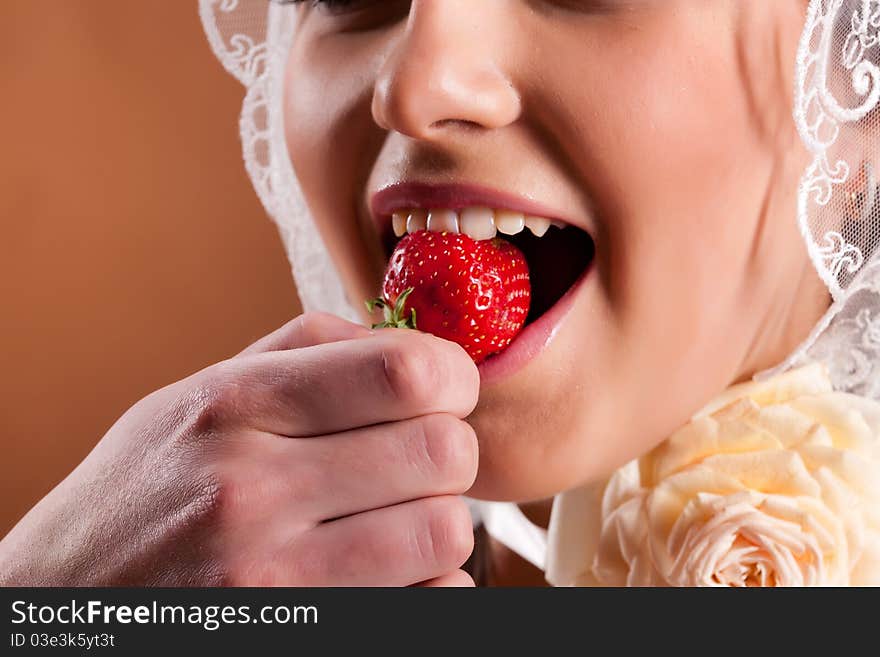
(449, 539)
(198, 503)
(411, 372)
(312, 326)
(221, 498)
(215, 402)
(449, 449)
(193, 524)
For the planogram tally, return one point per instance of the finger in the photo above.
(455, 579)
(307, 330)
(363, 469)
(393, 375)
(395, 546)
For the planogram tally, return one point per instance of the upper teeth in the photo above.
(477, 223)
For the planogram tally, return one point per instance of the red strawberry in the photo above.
(475, 293)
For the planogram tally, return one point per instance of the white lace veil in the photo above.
(837, 92)
(251, 38)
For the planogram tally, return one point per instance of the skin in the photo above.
(250, 473)
(660, 126)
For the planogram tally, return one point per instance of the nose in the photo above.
(445, 70)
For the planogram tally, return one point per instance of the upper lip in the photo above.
(420, 195)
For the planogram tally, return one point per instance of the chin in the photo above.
(528, 466)
(537, 425)
(531, 437)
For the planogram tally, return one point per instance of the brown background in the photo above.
(133, 250)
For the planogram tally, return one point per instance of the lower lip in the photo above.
(533, 339)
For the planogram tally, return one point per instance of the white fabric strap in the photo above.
(506, 523)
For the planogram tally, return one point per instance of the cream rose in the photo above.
(776, 483)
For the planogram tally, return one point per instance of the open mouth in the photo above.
(557, 253)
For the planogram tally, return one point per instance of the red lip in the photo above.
(535, 337)
(415, 195)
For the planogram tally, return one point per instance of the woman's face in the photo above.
(660, 128)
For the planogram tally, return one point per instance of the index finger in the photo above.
(393, 375)
(307, 330)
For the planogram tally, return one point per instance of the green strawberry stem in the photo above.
(394, 317)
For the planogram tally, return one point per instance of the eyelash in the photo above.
(330, 4)
(350, 6)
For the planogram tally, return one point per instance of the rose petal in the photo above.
(707, 437)
(808, 380)
(781, 472)
(866, 569)
(775, 483)
(840, 416)
(788, 425)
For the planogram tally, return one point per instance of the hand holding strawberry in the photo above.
(473, 293)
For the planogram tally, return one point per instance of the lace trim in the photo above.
(251, 39)
(849, 270)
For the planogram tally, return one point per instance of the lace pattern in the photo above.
(251, 38)
(837, 93)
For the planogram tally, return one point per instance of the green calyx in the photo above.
(394, 316)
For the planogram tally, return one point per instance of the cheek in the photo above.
(680, 175)
(332, 143)
(683, 172)
(683, 231)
